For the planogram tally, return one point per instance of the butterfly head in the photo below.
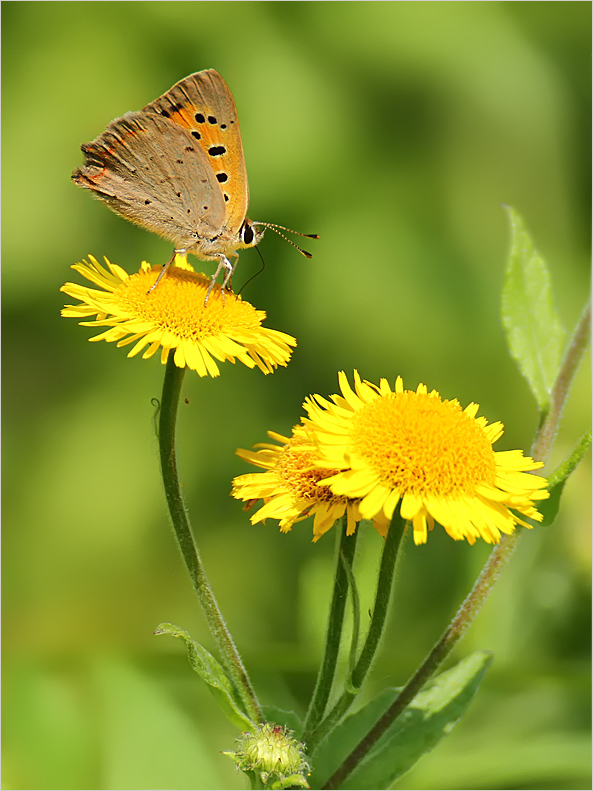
(249, 234)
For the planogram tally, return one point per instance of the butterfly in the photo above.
(177, 168)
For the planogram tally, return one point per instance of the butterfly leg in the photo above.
(230, 272)
(182, 252)
(223, 263)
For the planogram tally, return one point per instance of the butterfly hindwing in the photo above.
(152, 171)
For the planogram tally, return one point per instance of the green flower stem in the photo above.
(376, 628)
(346, 550)
(572, 358)
(255, 781)
(355, 616)
(185, 540)
(499, 556)
(571, 462)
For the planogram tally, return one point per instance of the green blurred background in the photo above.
(395, 130)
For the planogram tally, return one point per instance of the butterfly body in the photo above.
(177, 168)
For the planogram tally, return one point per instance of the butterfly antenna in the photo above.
(284, 228)
(273, 227)
(259, 271)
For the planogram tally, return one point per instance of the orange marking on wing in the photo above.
(184, 117)
(210, 135)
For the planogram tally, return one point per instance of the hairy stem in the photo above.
(345, 549)
(546, 434)
(376, 628)
(185, 541)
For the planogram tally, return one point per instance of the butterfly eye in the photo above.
(247, 234)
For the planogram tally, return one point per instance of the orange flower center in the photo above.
(293, 469)
(177, 304)
(423, 445)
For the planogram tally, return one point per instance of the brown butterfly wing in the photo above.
(152, 171)
(203, 104)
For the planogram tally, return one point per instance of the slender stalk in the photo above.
(345, 549)
(375, 633)
(255, 781)
(185, 541)
(499, 556)
(574, 353)
(355, 616)
(571, 462)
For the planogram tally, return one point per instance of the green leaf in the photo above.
(281, 717)
(549, 508)
(535, 335)
(430, 716)
(557, 479)
(213, 674)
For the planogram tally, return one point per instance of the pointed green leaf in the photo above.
(549, 508)
(213, 674)
(430, 716)
(534, 332)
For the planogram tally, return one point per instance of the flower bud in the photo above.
(274, 754)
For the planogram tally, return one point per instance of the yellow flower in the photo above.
(289, 487)
(429, 455)
(173, 316)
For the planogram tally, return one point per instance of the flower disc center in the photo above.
(177, 304)
(422, 445)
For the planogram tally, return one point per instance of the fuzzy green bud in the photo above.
(274, 754)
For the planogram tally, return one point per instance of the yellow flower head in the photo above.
(173, 316)
(290, 488)
(433, 457)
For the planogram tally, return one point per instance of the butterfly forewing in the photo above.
(129, 169)
(203, 104)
